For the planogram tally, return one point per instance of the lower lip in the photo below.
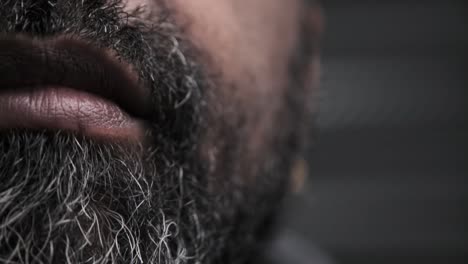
(65, 109)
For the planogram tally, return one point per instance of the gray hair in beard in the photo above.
(65, 199)
(69, 198)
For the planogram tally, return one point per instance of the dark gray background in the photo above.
(388, 181)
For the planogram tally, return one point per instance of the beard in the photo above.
(66, 198)
(70, 199)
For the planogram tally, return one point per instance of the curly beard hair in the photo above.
(70, 199)
(65, 198)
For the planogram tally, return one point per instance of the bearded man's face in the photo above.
(149, 131)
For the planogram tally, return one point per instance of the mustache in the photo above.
(64, 197)
(152, 44)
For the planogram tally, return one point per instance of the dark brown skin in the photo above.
(245, 49)
(151, 131)
(249, 44)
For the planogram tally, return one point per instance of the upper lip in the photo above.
(71, 63)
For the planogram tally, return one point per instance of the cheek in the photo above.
(245, 39)
(247, 43)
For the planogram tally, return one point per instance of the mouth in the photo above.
(68, 84)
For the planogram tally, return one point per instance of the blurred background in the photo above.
(389, 171)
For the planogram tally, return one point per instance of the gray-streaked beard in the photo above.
(72, 200)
